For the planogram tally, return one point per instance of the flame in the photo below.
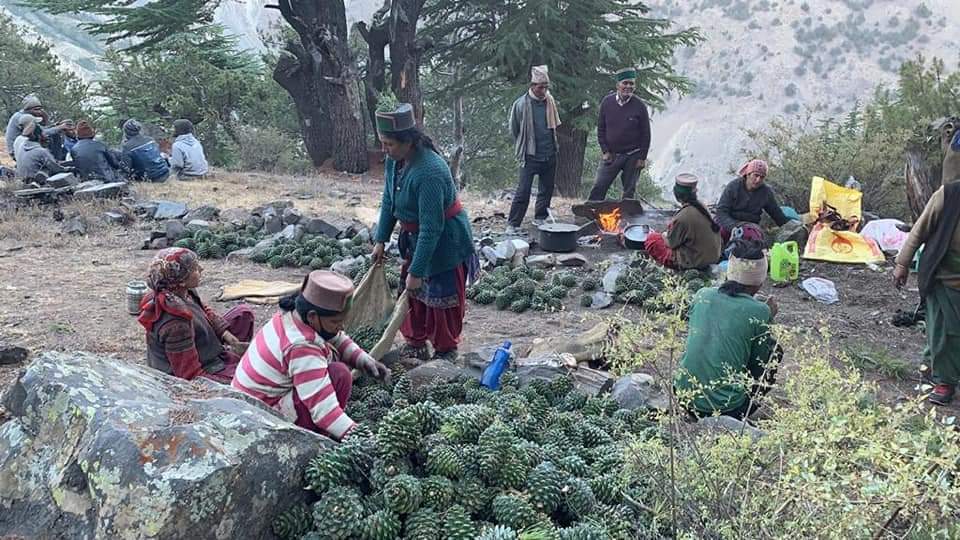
(610, 222)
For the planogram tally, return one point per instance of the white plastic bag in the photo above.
(822, 289)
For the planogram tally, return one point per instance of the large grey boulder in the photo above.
(426, 373)
(638, 391)
(98, 448)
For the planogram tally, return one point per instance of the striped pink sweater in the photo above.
(288, 356)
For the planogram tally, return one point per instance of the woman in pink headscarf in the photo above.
(185, 338)
(745, 199)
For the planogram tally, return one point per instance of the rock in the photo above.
(571, 259)
(344, 266)
(426, 373)
(173, 229)
(75, 225)
(291, 216)
(254, 221)
(610, 278)
(237, 216)
(159, 243)
(490, 255)
(601, 300)
(792, 231)
(272, 224)
(12, 354)
(169, 210)
(728, 424)
(145, 209)
(261, 248)
(99, 448)
(198, 225)
(505, 250)
(276, 207)
(529, 370)
(637, 391)
(291, 233)
(62, 180)
(202, 213)
(542, 261)
(321, 226)
(117, 218)
(103, 191)
(242, 254)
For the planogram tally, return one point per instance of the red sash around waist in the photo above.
(450, 213)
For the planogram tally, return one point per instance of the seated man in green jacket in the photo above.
(730, 358)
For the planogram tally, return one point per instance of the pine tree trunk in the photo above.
(311, 107)
(918, 179)
(573, 144)
(456, 164)
(323, 65)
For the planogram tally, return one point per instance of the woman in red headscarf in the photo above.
(185, 338)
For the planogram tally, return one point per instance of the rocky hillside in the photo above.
(764, 58)
(761, 58)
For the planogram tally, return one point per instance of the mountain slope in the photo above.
(767, 58)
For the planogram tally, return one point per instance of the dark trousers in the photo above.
(545, 170)
(623, 165)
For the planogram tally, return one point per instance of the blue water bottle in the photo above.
(496, 367)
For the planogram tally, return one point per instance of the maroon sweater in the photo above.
(623, 129)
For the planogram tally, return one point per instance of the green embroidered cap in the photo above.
(399, 120)
(626, 74)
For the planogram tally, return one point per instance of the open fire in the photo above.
(611, 222)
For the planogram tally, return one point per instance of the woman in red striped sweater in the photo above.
(299, 362)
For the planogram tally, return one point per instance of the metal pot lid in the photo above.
(559, 228)
(637, 232)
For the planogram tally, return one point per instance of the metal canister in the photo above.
(136, 289)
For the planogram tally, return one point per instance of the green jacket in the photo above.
(728, 341)
(426, 191)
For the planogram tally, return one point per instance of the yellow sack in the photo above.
(846, 201)
(254, 289)
(826, 244)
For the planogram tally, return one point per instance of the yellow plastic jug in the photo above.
(784, 262)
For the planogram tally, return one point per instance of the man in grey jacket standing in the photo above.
(533, 123)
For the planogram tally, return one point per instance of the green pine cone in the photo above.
(607, 488)
(574, 465)
(514, 512)
(590, 284)
(519, 306)
(544, 485)
(428, 416)
(485, 297)
(275, 262)
(558, 292)
(586, 300)
(293, 523)
(600, 406)
(403, 494)
(437, 492)
(579, 499)
(584, 531)
(338, 513)
(568, 280)
(504, 299)
(457, 524)
(399, 432)
(473, 496)
(187, 243)
(538, 274)
(381, 525)
(329, 469)
(527, 286)
(423, 524)
(402, 388)
(445, 461)
(498, 532)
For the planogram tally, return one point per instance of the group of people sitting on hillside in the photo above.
(42, 149)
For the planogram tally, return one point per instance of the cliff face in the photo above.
(766, 58)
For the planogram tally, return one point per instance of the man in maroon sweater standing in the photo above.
(623, 131)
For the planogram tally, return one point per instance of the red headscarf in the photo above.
(167, 278)
(754, 166)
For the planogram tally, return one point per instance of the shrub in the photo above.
(270, 150)
(833, 461)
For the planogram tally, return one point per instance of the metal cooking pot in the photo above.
(635, 236)
(560, 237)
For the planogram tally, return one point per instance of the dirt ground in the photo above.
(68, 292)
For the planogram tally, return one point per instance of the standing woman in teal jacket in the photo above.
(436, 243)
